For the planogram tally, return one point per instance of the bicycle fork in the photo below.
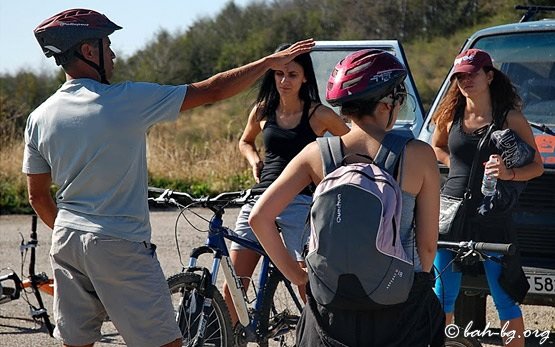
(208, 282)
(235, 287)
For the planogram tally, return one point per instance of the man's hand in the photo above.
(279, 59)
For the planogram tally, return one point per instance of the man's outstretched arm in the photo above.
(228, 83)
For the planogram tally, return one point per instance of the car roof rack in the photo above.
(532, 10)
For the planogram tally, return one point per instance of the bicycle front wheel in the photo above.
(280, 311)
(188, 300)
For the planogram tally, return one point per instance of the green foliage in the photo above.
(19, 95)
(13, 197)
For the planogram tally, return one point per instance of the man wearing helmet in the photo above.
(89, 138)
(368, 86)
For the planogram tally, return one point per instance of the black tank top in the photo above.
(462, 148)
(282, 145)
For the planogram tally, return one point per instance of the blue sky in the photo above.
(140, 19)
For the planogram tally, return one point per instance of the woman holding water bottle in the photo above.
(480, 95)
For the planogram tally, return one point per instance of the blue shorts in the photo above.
(449, 283)
(291, 221)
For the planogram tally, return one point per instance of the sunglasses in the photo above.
(399, 97)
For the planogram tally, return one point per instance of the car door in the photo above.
(326, 54)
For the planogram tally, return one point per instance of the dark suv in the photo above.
(525, 51)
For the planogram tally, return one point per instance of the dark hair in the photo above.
(358, 108)
(503, 98)
(268, 96)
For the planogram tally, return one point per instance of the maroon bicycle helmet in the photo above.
(368, 75)
(66, 29)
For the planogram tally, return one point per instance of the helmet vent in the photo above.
(351, 82)
(53, 49)
(359, 68)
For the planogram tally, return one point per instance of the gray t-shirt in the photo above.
(91, 137)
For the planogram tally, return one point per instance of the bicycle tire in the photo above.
(279, 314)
(184, 288)
(461, 341)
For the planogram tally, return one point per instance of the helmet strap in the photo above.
(390, 119)
(98, 67)
(394, 92)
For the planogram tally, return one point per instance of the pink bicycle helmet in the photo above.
(368, 74)
(66, 29)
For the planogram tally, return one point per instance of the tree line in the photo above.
(238, 35)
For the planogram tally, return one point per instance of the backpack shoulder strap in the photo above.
(390, 151)
(330, 152)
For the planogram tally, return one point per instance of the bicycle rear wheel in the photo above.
(188, 299)
(280, 311)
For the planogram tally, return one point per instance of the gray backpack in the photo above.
(355, 257)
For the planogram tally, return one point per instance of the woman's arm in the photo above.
(247, 145)
(421, 158)
(325, 119)
(440, 146)
(518, 123)
(296, 176)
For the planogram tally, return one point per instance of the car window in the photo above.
(325, 60)
(529, 60)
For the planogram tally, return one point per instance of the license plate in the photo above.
(541, 284)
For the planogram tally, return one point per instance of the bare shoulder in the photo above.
(311, 154)
(515, 118)
(419, 152)
(255, 113)
(312, 160)
(417, 146)
(323, 119)
(322, 111)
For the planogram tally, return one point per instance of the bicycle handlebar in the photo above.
(227, 199)
(502, 248)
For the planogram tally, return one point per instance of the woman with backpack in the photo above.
(480, 96)
(368, 86)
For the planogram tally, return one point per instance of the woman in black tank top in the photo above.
(289, 115)
(480, 95)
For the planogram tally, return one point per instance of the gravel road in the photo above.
(18, 329)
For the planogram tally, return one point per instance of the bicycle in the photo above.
(33, 282)
(201, 312)
(470, 252)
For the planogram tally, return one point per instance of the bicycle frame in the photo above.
(215, 243)
(37, 282)
(207, 278)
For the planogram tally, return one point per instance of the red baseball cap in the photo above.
(471, 61)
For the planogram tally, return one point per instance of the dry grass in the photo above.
(201, 147)
(11, 157)
(197, 153)
(13, 185)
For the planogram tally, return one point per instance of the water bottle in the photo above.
(489, 181)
